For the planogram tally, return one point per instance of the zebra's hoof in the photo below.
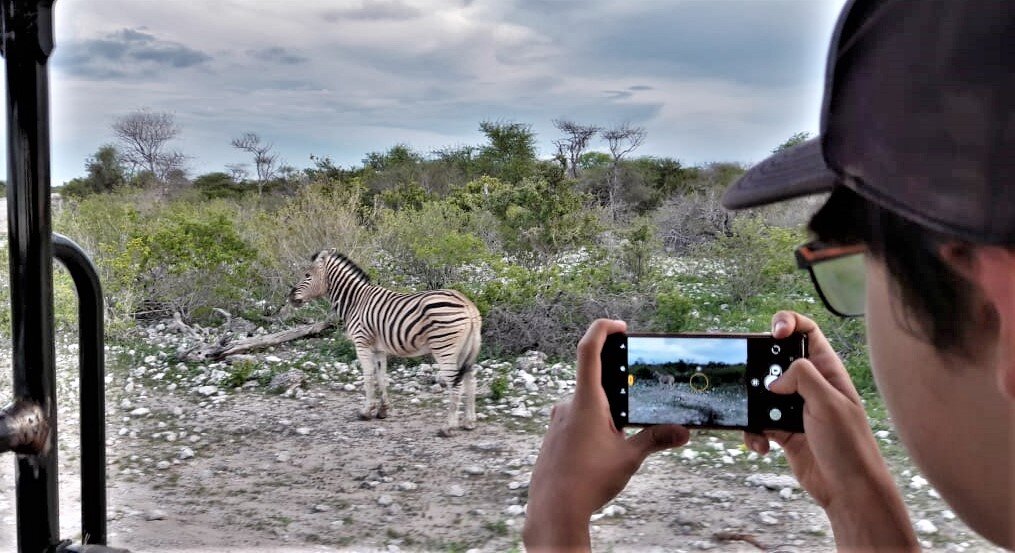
(469, 426)
(445, 432)
(365, 415)
(382, 413)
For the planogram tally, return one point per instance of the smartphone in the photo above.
(701, 380)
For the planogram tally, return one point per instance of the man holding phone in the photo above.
(917, 148)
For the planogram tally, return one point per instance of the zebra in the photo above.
(665, 379)
(380, 322)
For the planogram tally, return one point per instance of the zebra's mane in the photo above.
(345, 262)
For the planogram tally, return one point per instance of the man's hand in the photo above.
(585, 460)
(837, 460)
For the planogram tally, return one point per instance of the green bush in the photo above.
(317, 218)
(755, 258)
(430, 244)
(673, 312)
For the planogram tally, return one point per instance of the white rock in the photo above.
(773, 481)
(917, 482)
(273, 359)
(185, 453)
(948, 515)
(207, 390)
(321, 508)
(407, 486)
(155, 514)
(178, 411)
(303, 431)
(688, 453)
(786, 493)
(474, 470)
(140, 412)
(614, 511)
(385, 500)
(455, 491)
(163, 465)
(925, 527)
(767, 517)
(170, 436)
(282, 457)
(350, 388)
(514, 510)
(521, 412)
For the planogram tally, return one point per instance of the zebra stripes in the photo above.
(382, 322)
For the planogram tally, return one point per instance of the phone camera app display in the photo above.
(691, 381)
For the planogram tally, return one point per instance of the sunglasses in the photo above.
(838, 274)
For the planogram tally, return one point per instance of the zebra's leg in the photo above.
(448, 372)
(469, 383)
(382, 382)
(367, 364)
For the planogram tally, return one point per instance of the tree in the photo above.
(143, 136)
(510, 153)
(264, 158)
(621, 140)
(398, 167)
(792, 141)
(105, 173)
(218, 185)
(574, 143)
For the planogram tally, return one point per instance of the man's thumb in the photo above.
(659, 437)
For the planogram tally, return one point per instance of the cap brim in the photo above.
(793, 172)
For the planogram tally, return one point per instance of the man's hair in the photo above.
(936, 300)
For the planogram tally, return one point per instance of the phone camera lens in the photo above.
(776, 349)
(775, 414)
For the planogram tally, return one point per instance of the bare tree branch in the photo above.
(621, 141)
(264, 158)
(573, 145)
(143, 136)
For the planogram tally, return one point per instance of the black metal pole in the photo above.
(27, 41)
(91, 355)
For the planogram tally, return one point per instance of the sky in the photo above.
(691, 350)
(709, 80)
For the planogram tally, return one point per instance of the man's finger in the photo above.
(803, 378)
(756, 443)
(828, 364)
(659, 437)
(589, 386)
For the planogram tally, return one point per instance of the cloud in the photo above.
(126, 53)
(277, 54)
(376, 10)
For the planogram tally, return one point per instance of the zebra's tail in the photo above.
(469, 353)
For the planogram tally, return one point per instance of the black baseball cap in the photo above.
(918, 117)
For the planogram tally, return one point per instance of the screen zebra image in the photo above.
(690, 381)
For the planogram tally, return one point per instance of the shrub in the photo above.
(430, 244)
(754, 258)
(673, 312)
(317, 218)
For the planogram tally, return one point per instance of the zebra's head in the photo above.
(314, 282)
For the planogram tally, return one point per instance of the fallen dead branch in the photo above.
(224, 348)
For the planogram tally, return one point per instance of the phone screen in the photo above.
(687, 380)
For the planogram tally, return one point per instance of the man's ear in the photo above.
(992, 270)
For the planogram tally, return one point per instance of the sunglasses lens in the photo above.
(842, 281)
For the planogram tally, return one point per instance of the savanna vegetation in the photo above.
(542, 245)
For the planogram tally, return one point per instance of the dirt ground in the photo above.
(251, 470)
